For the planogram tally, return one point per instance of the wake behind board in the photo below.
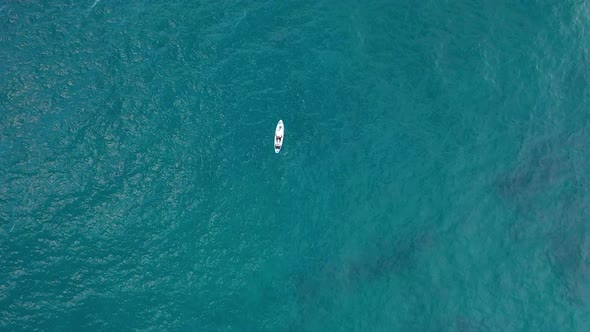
(279, 136)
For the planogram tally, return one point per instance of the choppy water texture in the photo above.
(434, 175)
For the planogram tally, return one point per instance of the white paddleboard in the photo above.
(279, 136)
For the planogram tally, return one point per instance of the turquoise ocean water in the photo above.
(434, 175)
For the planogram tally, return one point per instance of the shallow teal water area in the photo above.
(434, 175)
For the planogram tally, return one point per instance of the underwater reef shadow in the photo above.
(548, 191)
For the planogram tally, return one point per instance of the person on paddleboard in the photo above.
(278, 138)
(279, 135)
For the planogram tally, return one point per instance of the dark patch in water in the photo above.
(542, 168)
(545, 190)
(570, 247)
(392, 257)
(385, 259)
